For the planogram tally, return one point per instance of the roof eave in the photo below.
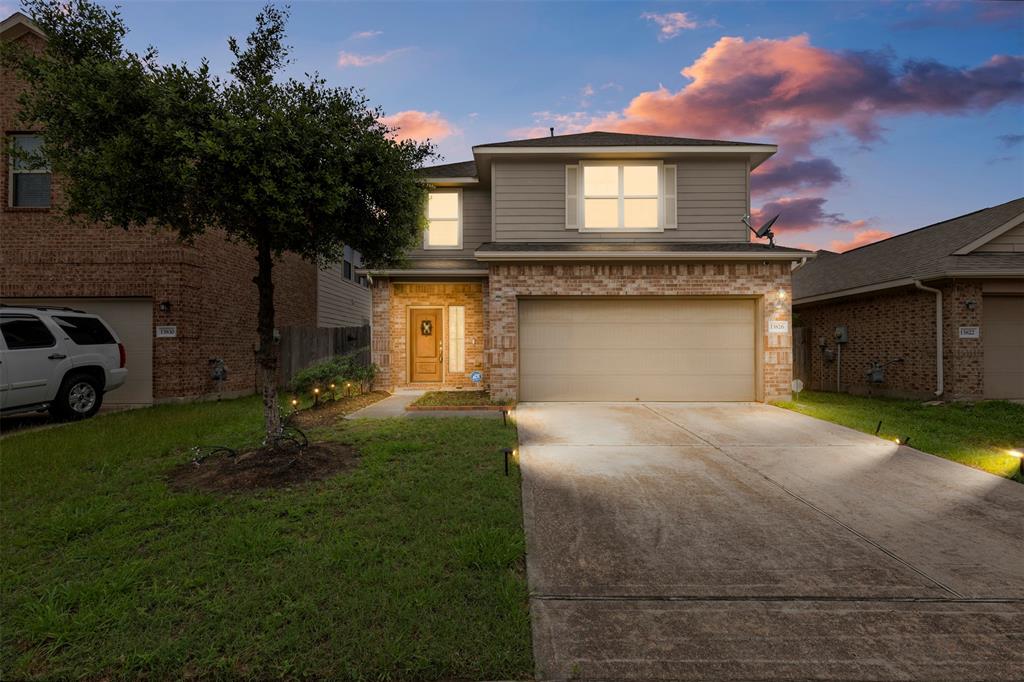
(691, 256)
(909, 281)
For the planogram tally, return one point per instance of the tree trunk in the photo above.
(266, 354)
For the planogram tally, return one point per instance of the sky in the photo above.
(888, 115)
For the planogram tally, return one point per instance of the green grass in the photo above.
(408, 568)
(456, 399)
(975, 434)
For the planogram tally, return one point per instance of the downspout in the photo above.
(940, 389)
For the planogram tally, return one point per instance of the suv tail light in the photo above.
(123, 355)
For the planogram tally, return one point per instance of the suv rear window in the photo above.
(85, 331)
(25, 331)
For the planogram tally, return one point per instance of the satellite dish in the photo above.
(763, 231)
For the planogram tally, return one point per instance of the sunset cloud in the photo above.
(670, 24)
(346, 59)
(419, 125)
(862, 238)
(800, 214)
(794, 93)
(780, 175)
(365, 35)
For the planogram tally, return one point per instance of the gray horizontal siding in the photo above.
(529, 203)
(1008, 242)
(476, 226)
(339, 302)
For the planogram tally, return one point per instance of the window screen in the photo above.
(30, 176)
(85, 331)
(25, 331)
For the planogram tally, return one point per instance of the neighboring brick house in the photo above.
(964, 275)
(142, 280)
(596, 266)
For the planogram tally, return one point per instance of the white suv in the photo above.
(57, 359)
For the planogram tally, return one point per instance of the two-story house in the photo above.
(177, 307)
(595, 266)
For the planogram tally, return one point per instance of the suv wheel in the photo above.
(80, 397)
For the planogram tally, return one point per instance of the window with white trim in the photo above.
(444, 219)
(456, 338)
(30, 176)
(622, 195)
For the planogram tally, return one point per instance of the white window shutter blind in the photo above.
(670, 197)
(572, 197)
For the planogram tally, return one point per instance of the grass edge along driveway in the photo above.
(408, 568)
(976, 434)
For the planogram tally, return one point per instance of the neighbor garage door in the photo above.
(637, 349)
(132, 319)
(1002, 335)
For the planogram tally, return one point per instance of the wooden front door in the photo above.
(425, 345)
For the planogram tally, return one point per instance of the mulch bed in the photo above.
(331, 411)
(265, 468)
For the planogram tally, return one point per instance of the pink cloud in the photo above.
(791, 92)
(419, 125)
(862, 238)
(670, 24)
(346, 59)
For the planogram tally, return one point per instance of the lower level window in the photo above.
(456, 338)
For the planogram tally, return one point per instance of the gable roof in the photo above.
(924, 253)
(599, 138)
(17, 25)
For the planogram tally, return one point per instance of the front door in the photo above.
(425, 345)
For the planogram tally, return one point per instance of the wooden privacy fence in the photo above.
(304, 346)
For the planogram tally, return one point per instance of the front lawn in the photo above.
(407, 567)
(976, 434)
(456, 399)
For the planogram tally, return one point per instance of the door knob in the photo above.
(56, 356)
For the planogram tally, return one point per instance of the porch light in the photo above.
(782, 294)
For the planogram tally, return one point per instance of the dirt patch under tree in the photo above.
(264, 468)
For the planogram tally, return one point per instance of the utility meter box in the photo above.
(841, 335)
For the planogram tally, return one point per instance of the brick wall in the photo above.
(209, 284)
(391, 303)
(507, 282)
(899, 324)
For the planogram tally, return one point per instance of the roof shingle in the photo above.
(924, 253)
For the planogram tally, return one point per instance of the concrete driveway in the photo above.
(743, 541)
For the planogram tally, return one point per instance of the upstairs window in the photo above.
(29, 175)
(620, 196)
(346, 270)
(444, 219)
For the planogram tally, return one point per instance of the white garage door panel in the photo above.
(629, 349)
(132, 319)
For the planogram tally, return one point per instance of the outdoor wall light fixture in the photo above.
(165, 306)
(970, 304)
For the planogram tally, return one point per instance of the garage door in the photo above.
(1002, 335)
(637, 349)
(132, 319)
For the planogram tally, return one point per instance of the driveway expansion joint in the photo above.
(772, 599)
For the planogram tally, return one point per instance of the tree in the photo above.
(280, 165)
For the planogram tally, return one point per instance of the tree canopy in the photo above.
(276, 163)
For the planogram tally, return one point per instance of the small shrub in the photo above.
(339, 370)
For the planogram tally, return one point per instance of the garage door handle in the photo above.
(56, 356)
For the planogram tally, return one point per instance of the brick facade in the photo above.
(391, 303)
(208, 284)
(899, 324)
(495, 309)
